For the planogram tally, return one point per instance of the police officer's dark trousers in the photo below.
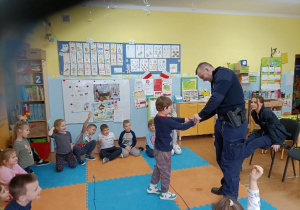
(229, 151)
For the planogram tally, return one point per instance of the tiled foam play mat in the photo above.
(121, 184)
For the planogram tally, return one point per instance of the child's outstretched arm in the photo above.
(254, 176)
(253, 191)
(86, 122)
(51, 131)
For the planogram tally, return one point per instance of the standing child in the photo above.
(108, 150)
(163, 146)
(4, 195)
(9, 167)
(63, 140)
(24, 189)
(36, 157)
(83, 143)
(150, 138)
(127, 140)
(26, 155)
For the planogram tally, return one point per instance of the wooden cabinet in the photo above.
(188, 110)
(31, 78)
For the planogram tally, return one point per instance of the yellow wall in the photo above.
(214, 38)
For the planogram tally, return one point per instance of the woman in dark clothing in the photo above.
(272, 132)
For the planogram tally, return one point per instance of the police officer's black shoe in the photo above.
(216, 191)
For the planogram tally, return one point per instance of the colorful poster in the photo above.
(189, 88)
(109, 91)
(139, 99)
(167, 87)
(103, 111)
(157, 87)
(271, 69)
(78, 98)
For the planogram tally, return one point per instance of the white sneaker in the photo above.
(155, 190)
(167, 196)
(105, 160)
(172, 152)
(177, 149)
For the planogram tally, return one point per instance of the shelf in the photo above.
(33, 121)
(30, 101)
(31, 72)
(31, 84)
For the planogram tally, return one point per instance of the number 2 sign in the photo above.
(37, 79)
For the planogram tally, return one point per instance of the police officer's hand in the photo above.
(275, 147)
(196, 119)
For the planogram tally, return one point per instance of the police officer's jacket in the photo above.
(226, 94)
(270, 125)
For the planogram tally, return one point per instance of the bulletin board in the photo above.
(108, 100)
(271, 69)
(107, 58)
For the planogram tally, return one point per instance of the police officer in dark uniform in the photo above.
(227, 101)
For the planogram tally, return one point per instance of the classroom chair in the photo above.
(292, 127)
(294, 153)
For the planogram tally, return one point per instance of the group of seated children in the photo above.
(84, 145)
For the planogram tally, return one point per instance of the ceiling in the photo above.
(275, 8)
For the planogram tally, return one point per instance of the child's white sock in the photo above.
(153, 185)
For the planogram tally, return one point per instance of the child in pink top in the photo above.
(9, 167)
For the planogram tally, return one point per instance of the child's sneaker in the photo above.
(172, 152)
(81, 162)
(42, 163)
(167, 196)
(177, 149)
(88, 157)
(105, 160)
(155, 190)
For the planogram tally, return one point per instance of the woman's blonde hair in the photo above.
(57, 124)
(5, 155)
(19, 125)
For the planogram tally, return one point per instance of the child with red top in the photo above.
(84, 145)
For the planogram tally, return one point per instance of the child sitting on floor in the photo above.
(64, 146)
(127, 140)
(9, 167)
(83, 143)
(24, 189)
(4, 195)
(150, 138)
(108, 150)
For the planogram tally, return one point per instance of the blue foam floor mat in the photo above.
(48, 176)
(188, 159)
(125, 193)
(243, 202)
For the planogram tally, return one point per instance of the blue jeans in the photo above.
(229, 152)
(253, 143)
(87, 149)
(149, 151)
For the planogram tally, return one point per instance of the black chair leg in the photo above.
(285, 169)
(251, 158)
(273, 158)
(293, 166)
